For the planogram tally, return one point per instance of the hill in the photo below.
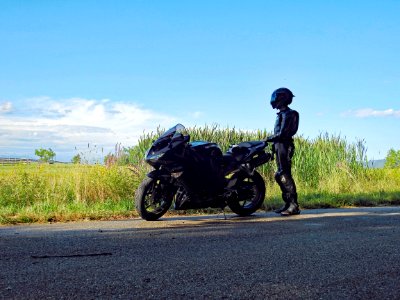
(376, 164)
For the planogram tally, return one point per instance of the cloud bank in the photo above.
(369, 112)
(5, 107)
(68, 124)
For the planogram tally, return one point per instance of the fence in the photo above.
(14, 161)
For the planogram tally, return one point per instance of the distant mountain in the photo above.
(376, 164)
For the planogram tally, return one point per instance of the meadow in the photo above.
(329, 172)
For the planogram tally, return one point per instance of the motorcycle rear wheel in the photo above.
(152, 200)
(251, 194)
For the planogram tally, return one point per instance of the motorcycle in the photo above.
(196, 175)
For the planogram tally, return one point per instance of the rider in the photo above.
(287, 123)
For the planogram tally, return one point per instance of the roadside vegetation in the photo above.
(329, 172)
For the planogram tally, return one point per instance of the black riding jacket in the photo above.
(286, 125)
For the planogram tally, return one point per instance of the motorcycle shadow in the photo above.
(229, 216)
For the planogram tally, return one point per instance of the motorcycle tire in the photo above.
(152, 200)
(248, 186)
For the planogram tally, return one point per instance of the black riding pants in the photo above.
(284, 153)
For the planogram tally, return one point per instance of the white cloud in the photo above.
(369, 112)
(196, 115)
(75, 122)
(5, 107)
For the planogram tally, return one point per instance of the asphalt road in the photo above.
(321, 254)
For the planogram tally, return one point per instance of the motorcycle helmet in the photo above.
(281, 97)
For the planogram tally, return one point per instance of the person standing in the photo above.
(286, 125)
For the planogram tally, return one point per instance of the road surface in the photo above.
(320, 254)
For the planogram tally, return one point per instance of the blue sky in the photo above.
(104, 72)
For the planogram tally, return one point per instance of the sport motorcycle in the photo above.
(197, 175)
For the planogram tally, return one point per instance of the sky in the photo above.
(84, 76)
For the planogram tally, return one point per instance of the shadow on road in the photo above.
(207, 222)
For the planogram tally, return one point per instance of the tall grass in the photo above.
(318, 163)
(40, 192)
(329, 172)
(325, 161)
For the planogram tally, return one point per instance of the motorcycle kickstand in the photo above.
(223, 211)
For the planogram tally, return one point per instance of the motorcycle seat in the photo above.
(250, 144)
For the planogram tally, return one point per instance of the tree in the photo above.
(76, 159)
(45, 155)
(392, 159)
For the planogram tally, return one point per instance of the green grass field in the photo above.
(328, 170)
(42, 192)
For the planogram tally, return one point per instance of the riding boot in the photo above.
(282, 208)
(286, 205)
(293, 208)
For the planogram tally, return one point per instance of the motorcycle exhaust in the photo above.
(260, 159)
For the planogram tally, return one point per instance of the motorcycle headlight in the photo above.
(154, 156)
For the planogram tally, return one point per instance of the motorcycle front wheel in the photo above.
(152, 199)
(250, 194)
